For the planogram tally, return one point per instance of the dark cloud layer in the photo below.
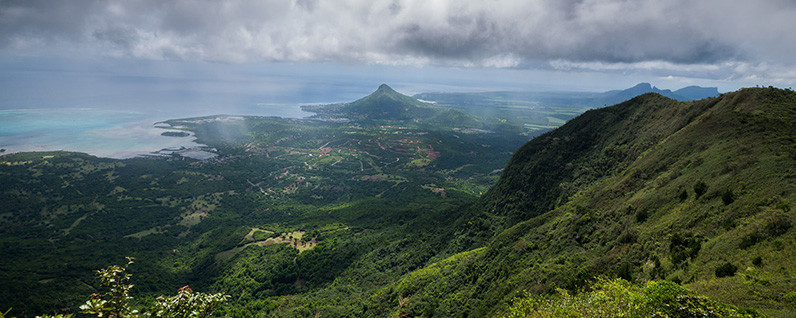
(732, 38)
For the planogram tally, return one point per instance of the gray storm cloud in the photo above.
(501, 33)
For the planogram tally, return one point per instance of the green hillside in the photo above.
(285, 210)
(454, 118)
(699, 193)
(649, 207)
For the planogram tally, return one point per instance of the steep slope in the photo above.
(549, 169)
(699, 193)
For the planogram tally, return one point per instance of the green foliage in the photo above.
(568, 193)
(115, 302)
(728, 197)
(642, 215)
(5, 315)
(583, 200)
(777, 225)
(260, 272)
(684, 247)
(725, 270)
(683, 195)
(790, 297)
(262, 235)
(82, 212)
(618, 298)
(187, 304)
(700, 188)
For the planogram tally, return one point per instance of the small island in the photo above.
(175, 134)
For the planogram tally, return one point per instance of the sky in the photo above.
(211, 53)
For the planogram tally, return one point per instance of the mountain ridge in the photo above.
(694, 92)
(510, 101)
(684, 94)
(648, 189)
(696, 193)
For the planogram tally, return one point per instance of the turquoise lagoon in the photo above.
(103, 133)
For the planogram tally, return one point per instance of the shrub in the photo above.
(684, 247)
(625, 272)
(618, 298)
(778, 226)
(627, 237)
(728, 197)
(750, 239)
(774, 228)
(657, 269)
(683, 195)
(725, 270)
(757, 261)
(187, 304)
(114, 302)
(642, 215)
(700, 188)
(790, 297)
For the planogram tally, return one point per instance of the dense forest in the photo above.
(641, 207)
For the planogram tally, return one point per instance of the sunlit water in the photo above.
(103, 133)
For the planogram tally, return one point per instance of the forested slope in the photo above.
(700, 193)
(298, 218)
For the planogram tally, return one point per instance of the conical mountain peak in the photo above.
(384, 103)
(385, 91)
(385, 88)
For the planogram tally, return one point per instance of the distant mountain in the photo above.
(684, 94)
(697, 92)
(472, 102)
(383, 104)
(618, 96)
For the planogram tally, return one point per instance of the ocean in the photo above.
(108, 133)
(108, 107)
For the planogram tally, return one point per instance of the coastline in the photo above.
(100, 133)
(117, 134)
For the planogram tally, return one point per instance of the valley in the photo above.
(390, 206)
(291, 190)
